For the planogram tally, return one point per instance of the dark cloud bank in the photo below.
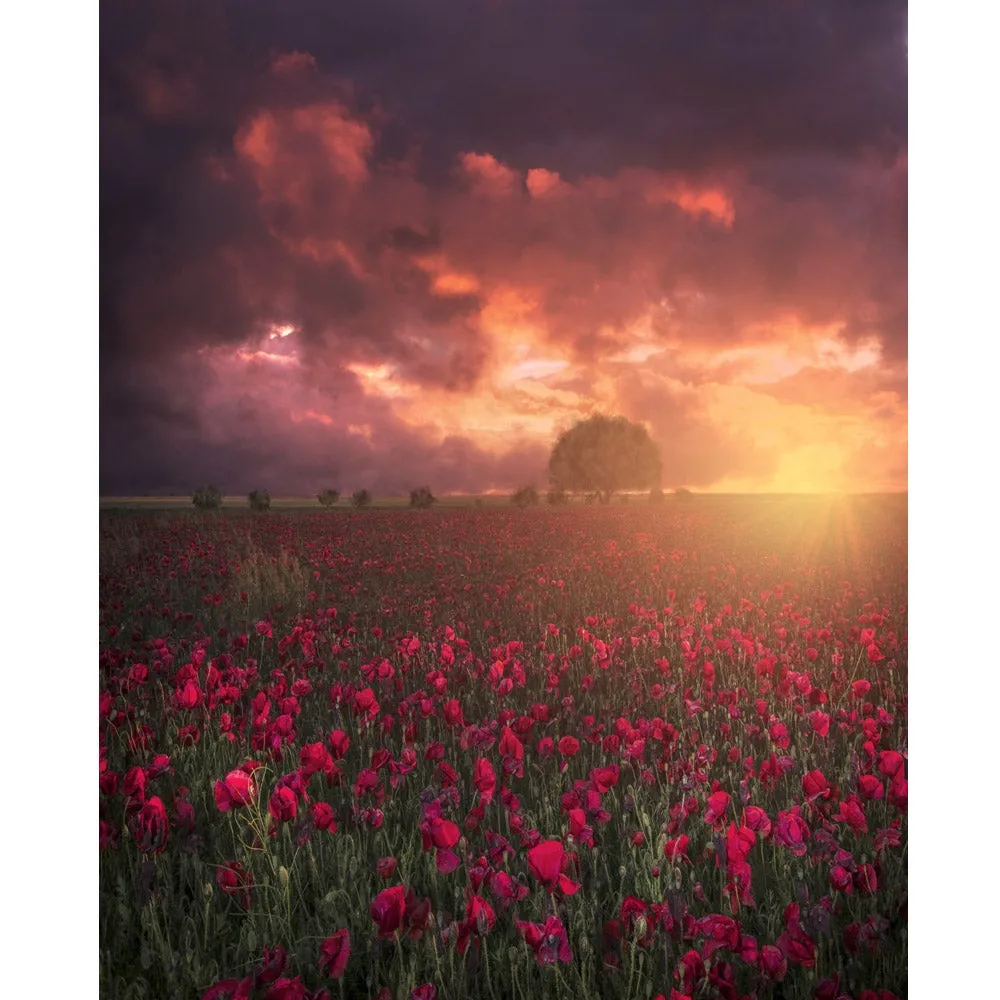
(302, 164)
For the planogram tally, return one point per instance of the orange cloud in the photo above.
(711, 201)
(292, 62)
(488, 177)
(290, 151)
(543, 183)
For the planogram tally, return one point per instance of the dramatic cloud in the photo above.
(381, 243)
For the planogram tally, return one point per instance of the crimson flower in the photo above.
(335, 951)
(691, 973)
(234, 880)
(772, 963)
(604, 778)
(230, 989)
(236, 789)
(387, 910)
(792, 831)
(852, 813)
(548, 941)
(485, 779)
(815, 786)
(677, 848)
(545, 863)
(283, 804)
(715, 814)
(151, 826)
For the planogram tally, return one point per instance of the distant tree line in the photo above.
(597, 458)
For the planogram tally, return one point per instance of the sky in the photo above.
(380, 243)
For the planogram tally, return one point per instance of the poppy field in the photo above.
(634, 751)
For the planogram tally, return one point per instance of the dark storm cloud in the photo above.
(329, 215)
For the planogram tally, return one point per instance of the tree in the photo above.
(526, 496)
(602, 455)
(328, 497)
(259, 500)
(207, 498)
(361, 498)
(422, 497)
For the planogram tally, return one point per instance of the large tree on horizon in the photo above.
(603, 455)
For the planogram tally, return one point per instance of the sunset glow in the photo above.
(378, 268)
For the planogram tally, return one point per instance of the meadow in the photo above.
(634, 751)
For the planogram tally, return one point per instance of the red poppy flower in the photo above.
(772, 963)
(792, 831)
(545, 863)
(815, 786)
(236, 789)
(870, 787)
(891, 763)
(283, 804)
(234, 880)
(335, 951)
(485, 779)
(387, 910)
(321, 814)
(339, 742)
(151, 826)
(451, 712)
(569, 746)
(866, 880)
(820, 722)
(271, 967)
(674, 850)
(715, 814)
(757, 820)
(690, 973)
(287, 989)
(548, 941)
(230, 989)
(604, 778)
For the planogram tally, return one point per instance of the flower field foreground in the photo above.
(653, 751)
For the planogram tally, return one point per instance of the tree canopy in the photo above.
(602, 455)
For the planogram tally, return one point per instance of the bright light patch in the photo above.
(267, 356)
(535, 368)
(837, 354)
(320, 418)
(376, 379)
(638, 353)
(455, 284)
(281, 331)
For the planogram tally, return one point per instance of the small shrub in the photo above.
(656, 495)
(207, 498)
(526, 496)
(328, 497)
(259, 500)
(557, 497)
(422, 497)
(361, 498)
(682, 493)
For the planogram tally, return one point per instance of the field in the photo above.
(631, 751)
